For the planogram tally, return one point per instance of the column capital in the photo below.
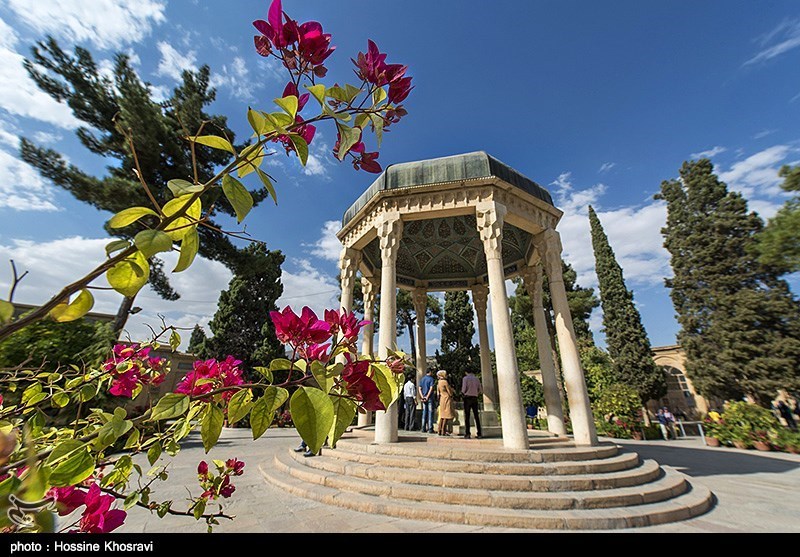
(369, 291)
(420, 298)
(490, 216)
(390, 231)
(548, 244)
(349, 261)
(532, 280)
(480, 296)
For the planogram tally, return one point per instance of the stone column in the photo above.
(480, 295)
(348, 265)
(390, 231)
(532, 277)
(420, 297)
(490, 216)
(368, 290)
(548, 244)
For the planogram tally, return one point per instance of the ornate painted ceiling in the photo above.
(446, 248)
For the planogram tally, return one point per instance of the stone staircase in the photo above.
(555, 485)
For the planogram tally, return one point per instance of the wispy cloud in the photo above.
(709, 153)
(173, 63)
(21, 187)
(782, 39)
(235, 79)
(763, 133)
(328, 246)
(305, 285)
(757, 175)
(606, 167)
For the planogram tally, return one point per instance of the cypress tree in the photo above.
(407, 316)
(458, 354)
(626, 338)
(740, 324)
(197, 341)
(123, 102)
(242, 326)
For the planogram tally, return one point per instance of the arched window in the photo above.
(676, 383)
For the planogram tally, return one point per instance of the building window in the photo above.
(676, 383)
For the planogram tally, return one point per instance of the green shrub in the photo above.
(618, 400)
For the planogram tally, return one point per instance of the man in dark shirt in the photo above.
(471, 388)
(427, 394)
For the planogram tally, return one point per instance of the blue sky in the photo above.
(597, 101)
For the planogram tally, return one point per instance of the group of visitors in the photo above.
(432, 391)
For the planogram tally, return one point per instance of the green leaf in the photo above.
(239, 197)
(6, 311)
(215, 142)
(377, 123)
(318, 91)
(378, 96)
(189, 246)
(387, 383)
(239, 405)
(88, 392)
(289, 104)
(64, 449)
(116, 245)
(129, 216)
(280, 364)
(253, 156)
(174, 340)
(182, 187)
(181, 226)
(170, 406)
(351, 91)
(300, 146)
(265, 372)
(129, 275)
(258, 122)
(153, 453)
(73, 470)
(79, 307)
(349, 137)
(344, 410)
(267, 181)
(60, 399)
(131, 500)
(320, 373)
(199, 509)
(211, 426)
(133, 439)
(151, 242)
(264, 409)
(312, 414)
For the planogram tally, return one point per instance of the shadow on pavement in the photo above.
(711, 462)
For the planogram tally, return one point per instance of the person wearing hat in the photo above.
(446, 412)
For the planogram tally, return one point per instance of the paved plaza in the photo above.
(756, 492)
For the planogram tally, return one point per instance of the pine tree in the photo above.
(458, 354)
(109, 106)
(740, 324)
(779, 243)
(242, 326)
(626, 338)
(197, 341)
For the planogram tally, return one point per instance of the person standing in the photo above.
(471, 389)
(427, 395)
(445, 392)
(410, 397)
(786, 414)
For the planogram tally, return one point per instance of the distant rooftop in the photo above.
(468, 166)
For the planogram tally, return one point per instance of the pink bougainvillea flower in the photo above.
(67, 499)
(202, 469)
(1, 400)
(236, 466)
(345, 322)
(226, 488)
(278, 33)
(399, 90)
(300, 330)
(98, 517)
(372, 68)
(360, 386)
(225, 373)
(291, 90)
(132, 367)
(318, 352)
(396, 365)
(314, 45)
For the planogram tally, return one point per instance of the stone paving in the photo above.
(756, 492)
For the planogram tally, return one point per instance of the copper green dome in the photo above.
(467, 166)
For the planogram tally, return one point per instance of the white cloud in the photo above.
(173, 63)
(307, 286)
(328, 246)
(270, 68)
(757, 175)
(234, 78)
(314, 166)
(160, 93)
(105, 23)
(9, 135)
(21, 186)
(763, 133)
(606, 167)
(709, 153)
(46, 137)
(57, 262)
(633, 232)
(19, 95)
(782, 39)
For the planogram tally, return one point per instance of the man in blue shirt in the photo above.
(427, 394)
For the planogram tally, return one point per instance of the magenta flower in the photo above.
(372, 68)
(299, 330)
(202, 469)
(345, 322)
(276, 32)
(225, 373)
(236, 466)
(98, 517)
(226, 488)
(291, 90)
(318, 352)
(67, 499)
(132, 367)
(314, 46)
(360, 385)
